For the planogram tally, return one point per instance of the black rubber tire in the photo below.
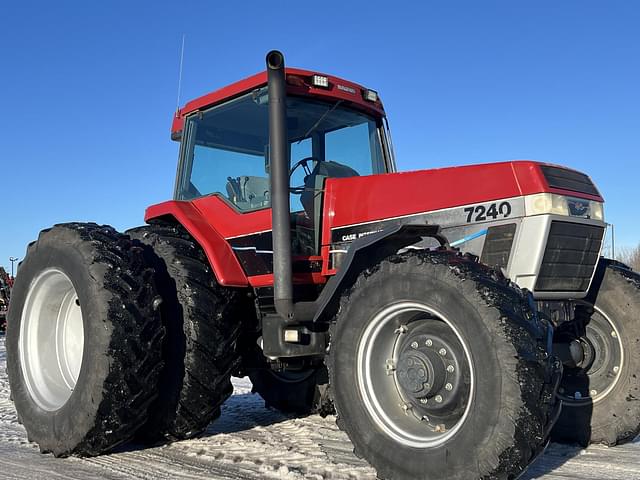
(288, 394)
(203, 321)
(122, 340)
(514, 404)
(614, 419)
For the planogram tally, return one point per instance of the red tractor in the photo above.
(434, 310)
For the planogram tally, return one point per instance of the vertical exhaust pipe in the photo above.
(279, 169)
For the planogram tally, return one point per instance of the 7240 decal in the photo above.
(482, 213)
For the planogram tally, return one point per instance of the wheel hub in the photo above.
(51, 339)
(429, 373)
(414, 374)
(419, 373)
(596, 365)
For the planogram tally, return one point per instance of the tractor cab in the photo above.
(225, 148)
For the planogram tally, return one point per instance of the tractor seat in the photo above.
(313, 183)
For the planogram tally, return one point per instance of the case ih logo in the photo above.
(347, 89)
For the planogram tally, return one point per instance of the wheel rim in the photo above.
(592, 382)
(414, 375)
(51, 339)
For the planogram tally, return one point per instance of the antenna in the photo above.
(180, 74)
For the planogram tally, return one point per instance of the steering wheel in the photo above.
(305, 165)
(304, 162)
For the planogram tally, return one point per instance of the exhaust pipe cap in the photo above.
(275, 60)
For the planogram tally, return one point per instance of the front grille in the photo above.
(570, 257)
(568, 180)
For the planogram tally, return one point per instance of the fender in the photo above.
(360, 252)
(310, 317)
(224, 263)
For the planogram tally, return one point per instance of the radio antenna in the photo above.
(180, 73)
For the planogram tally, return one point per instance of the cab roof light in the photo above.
(370, 95)
(320, 81)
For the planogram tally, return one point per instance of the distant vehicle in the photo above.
(5, 293)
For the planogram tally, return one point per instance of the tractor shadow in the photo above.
(243, 412)
(240, 413)
(555, 456)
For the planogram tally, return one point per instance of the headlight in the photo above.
(549, 203)
(597, 211)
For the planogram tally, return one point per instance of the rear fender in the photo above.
(223, 261)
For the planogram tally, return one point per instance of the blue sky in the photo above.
(88, 89)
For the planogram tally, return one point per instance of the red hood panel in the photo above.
(362, 199)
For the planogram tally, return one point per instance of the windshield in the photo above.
(226, 149)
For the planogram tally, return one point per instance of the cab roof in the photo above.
(299, 82)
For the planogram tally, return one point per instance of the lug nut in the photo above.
(448, 387)
(451, 369)
(614, 334)
(424, 401)
(593, 393)
(438, 398)
(442, 352)
(390, 367)
(429, 342)
(414, 344)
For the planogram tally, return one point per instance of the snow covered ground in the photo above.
(251, 442)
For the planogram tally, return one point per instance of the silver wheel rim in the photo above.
(51, 339)
(379, 345)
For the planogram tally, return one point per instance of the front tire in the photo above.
(601, 401)
(438, 370)
(84, 339)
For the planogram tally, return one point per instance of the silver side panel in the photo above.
(463, 226)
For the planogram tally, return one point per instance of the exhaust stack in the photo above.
(279, 168)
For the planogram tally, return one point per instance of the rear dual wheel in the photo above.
(203, 322)
(438, 369)
(84, 340)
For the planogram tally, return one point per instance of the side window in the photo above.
(356, 147)
(217, 170)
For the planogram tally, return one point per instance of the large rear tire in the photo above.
(84, 342)
(203, 321)
(438, 369)
(601, 399)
